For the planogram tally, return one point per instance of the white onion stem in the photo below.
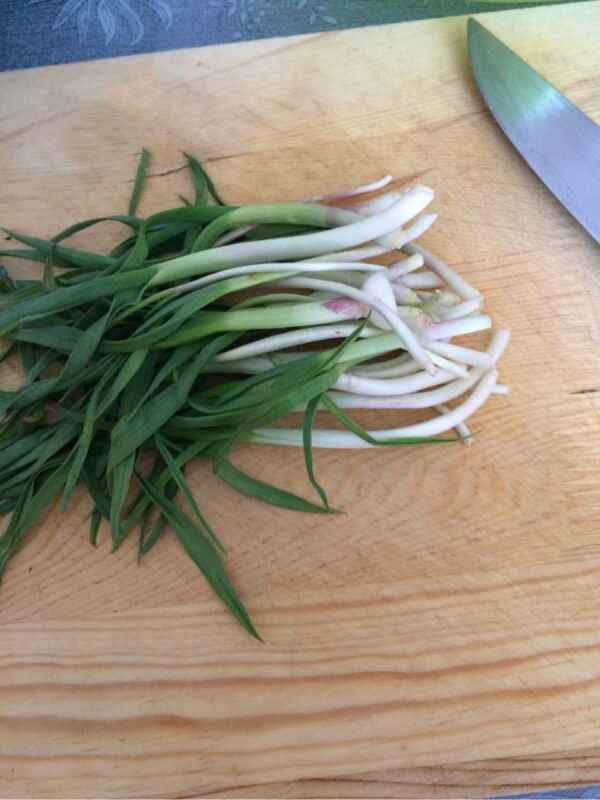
(447, 274)
(281, 341)
(393, 368)
(449, 365)
(408, 339)
(457, 327)
(399, 268)
(460, 427)
(461, 309)
(358, 254)
(350, 235)
(295, 267)
(421, 280)
(347, 439)
(391, 386)
(498, 343)
(411, 400)
(236, 233)
(474, 358)
(368, 187)
(378, 204)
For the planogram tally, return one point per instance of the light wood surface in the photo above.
(445, 629)
(490, 778)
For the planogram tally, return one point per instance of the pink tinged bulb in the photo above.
(346, 307)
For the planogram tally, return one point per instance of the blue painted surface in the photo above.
(579, 792)
(40, 32)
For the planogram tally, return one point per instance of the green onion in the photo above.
(148, 355)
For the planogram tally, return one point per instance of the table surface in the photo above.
(440, 638)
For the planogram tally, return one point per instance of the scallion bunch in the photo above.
(205, 326)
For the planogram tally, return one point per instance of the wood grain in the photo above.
(494, 778)
(445, 624)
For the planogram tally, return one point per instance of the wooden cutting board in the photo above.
(451, 614)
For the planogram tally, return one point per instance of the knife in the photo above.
(558, 141)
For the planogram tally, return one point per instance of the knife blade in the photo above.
(558, 141)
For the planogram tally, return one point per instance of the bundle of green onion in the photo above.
(159, 347)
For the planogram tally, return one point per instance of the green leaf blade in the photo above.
(203, 554)
(139, 181)
(251, 487)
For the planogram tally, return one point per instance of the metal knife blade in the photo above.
(558, 141)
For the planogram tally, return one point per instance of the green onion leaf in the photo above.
(139, 182)
(251, 487)
(307, 426)
(203, 554)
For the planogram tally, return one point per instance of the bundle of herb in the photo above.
(148, 349)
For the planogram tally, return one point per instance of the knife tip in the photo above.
(477, 36)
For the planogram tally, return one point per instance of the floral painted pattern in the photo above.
(110, 14)
(253, 17)
(40, 32)
(244, 18)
